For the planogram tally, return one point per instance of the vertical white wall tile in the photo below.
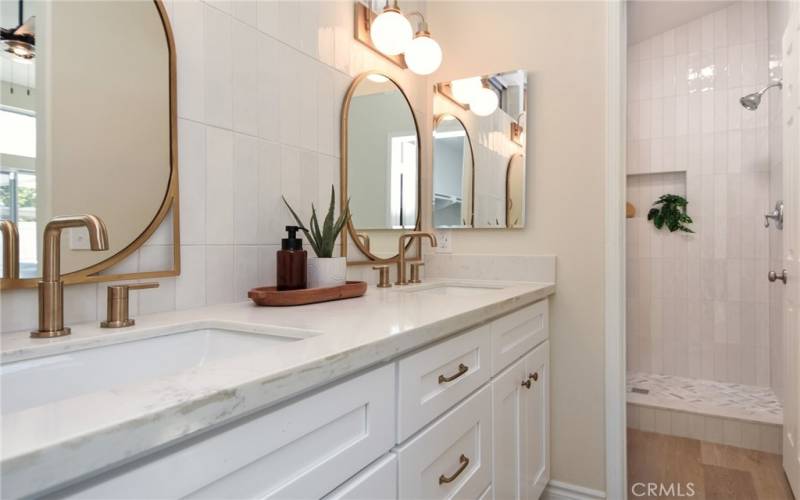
(218, 68)
(245, 11)
(219, 186)
(192, 179)
(245, 271)
(188, 29)
(245, 190)
(190, 286)
(219, 274)
(245, 78)
(270, 204)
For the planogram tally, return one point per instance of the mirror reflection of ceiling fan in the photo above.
(20, 41)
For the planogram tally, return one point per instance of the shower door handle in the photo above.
(776, 215)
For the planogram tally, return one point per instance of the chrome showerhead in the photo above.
(752, 101)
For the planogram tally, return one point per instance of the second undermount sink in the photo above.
(47, 379)
(454, 289)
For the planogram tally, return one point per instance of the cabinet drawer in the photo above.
(376, 482)
(452, 457)
(518, 333)
(302, 450)
(433, 380)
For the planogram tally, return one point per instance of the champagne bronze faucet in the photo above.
(51, 288)
(401, 252)
(10, 249)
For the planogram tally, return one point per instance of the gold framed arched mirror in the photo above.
(380, 167)
(101, 112)
(453, 173)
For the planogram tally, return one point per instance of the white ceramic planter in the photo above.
(325, 272)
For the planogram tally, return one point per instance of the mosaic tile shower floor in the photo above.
(743, 402)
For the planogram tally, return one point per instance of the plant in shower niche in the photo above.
(326, 270)
(670, 210)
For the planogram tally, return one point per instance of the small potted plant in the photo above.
(325, 270)
(670, 210)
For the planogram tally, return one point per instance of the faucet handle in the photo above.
(117, 315)
(383, 277)
(415, 272)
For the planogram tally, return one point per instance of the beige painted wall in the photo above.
(563, 47)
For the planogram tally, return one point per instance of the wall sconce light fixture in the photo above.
(390, 34)
(473, 94)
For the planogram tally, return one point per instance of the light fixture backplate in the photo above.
(363, 20)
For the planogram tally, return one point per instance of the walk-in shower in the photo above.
(704, 324)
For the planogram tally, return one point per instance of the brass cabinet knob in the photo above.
(527, 384)
(415, 272)
(117, 315)
(534, 376)
(383, 278)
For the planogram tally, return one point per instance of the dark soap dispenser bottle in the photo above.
(292, 262)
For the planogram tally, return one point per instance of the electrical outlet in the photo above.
(78, 238)
(444, 240)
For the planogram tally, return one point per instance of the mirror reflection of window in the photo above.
(18, 177)
(403, 183)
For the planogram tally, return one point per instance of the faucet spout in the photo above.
(51, 287)
(401, 252)
(10, 249)
(51, 252)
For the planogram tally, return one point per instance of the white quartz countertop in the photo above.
(50, 445)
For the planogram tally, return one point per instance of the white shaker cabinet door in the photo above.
(507, 421)
(536, 416)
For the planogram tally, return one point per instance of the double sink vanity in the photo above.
(432, 390)
(436, 390)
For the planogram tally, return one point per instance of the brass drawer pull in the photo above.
(462, 369)
(464, 463)
(534, 376)
(527, 384)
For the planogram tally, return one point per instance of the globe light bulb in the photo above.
(464, 90)
(484, 103)
(423, 55)
(391, 32)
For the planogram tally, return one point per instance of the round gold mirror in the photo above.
(380, 166)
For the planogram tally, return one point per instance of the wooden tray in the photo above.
(270, 296)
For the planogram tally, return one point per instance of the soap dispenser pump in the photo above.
(292, 262)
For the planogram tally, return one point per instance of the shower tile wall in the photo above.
(698, 305)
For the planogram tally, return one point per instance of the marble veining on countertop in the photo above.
(49, 445)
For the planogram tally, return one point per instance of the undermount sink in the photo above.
(453, 289)
(47, 379)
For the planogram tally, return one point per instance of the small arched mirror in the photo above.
(515, 192)
(380, 165)
(453, 167)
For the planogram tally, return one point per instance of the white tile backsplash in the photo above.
(260, 86)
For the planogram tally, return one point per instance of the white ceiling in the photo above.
(648, 18)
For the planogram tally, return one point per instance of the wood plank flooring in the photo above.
(681, 466)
